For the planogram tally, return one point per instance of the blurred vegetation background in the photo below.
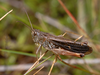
(16, 40)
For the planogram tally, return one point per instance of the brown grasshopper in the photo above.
(60, 45)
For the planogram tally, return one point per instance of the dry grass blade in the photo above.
(36, 62)
(52, 65)
(38, 70)
(6, 14)
(75, 21)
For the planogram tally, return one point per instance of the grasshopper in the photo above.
(59, 45)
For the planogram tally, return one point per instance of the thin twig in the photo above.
(38, 70)
(6, 14)
(52, 65)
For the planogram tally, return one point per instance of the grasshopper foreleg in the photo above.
(39, 48)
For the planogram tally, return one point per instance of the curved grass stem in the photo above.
(75, 66)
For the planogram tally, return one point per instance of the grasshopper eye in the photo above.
(82, 55)
(34, 33)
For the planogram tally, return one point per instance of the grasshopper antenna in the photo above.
(25, 25)
(29, 19)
